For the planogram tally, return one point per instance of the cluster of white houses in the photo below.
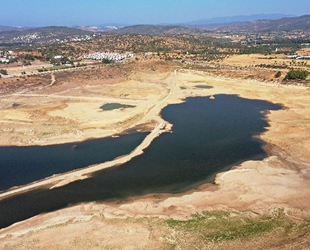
(108, 56)
(6, 56)
(47, 38)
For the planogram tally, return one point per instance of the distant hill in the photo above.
(58, 31)
(98, 28)
(11, 28)
(46, 31)
(224, 21)
(43, 35)
(301, 23)
(156, 30)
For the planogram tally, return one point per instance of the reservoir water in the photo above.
(208, 136)
(22, 165)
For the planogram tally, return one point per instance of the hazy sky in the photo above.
(96, 12)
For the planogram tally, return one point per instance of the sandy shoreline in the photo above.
(257, 186)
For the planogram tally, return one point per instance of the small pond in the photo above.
(112, 106)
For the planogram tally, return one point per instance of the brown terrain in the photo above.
(65, 107)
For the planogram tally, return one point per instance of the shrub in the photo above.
(106, 61)
(3, 72)
(29, 57)
(278, 74)
(294, 74)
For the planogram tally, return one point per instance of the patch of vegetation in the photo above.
(269, 66)
(107, 61)
(268, 58)
(278, 74)
(296, 74)
(3, 72)
(203, 87)
(218, 226)
(54, 68)
(29, 57)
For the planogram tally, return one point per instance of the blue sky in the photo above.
(96, 12)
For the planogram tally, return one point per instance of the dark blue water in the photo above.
(208, 136)
(22, 165)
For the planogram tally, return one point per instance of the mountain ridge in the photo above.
(301, 23)
(238, 18)
(155, 30)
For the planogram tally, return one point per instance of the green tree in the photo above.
(29, 57)
(278, 74)
(298, 74)
(3, 72)
(106, 61)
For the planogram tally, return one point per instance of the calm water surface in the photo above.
(208, 136)
(22, 165)
(111, 106)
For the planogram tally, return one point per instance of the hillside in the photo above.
(228, 20)
(301, 23)
(42, 35)
(155, 30)
(11, 28)
(59, 31)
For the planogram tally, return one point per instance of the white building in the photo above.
(4, 60)
(292, 57)
(58, 57)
